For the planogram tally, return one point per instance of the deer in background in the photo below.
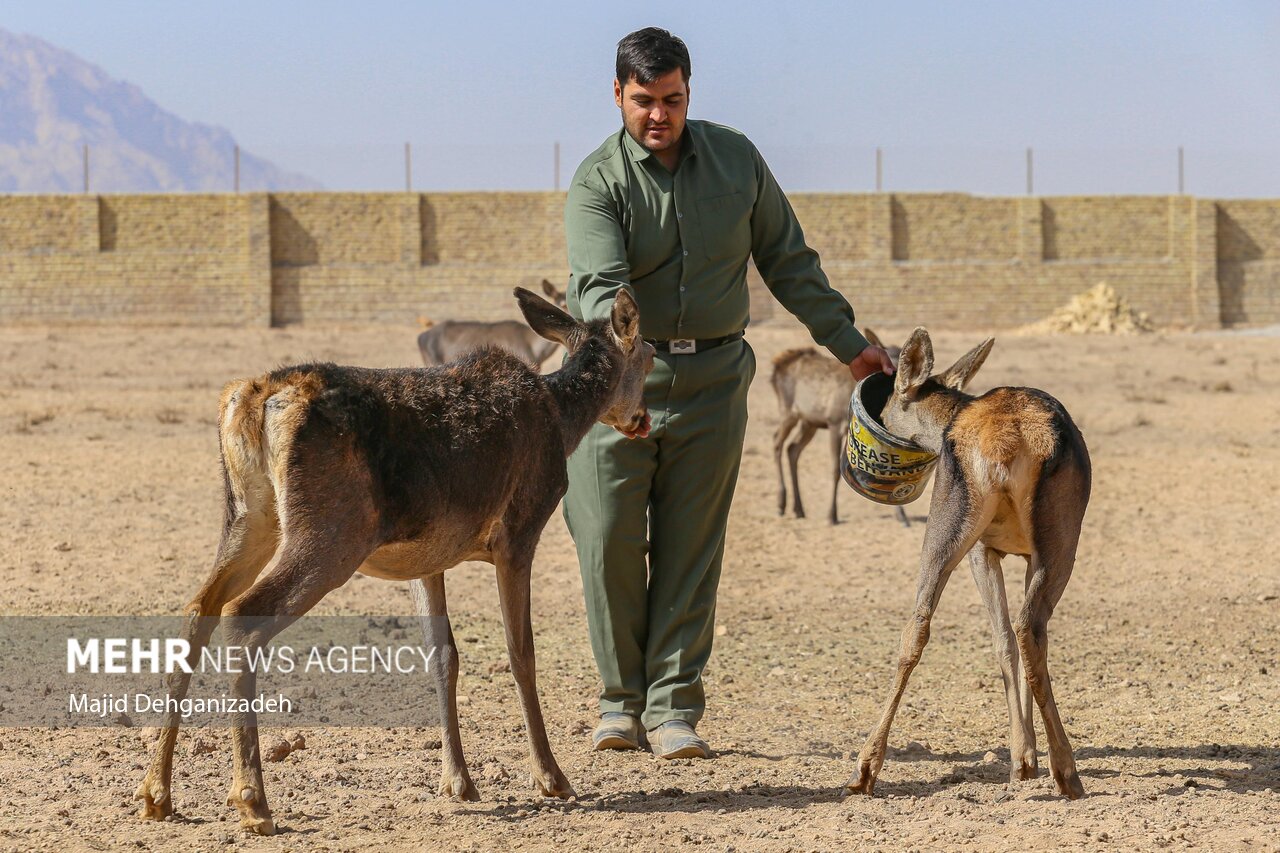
(813, 392)
(449, 340)
(1013, 477)
(399, 474)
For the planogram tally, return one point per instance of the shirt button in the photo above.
(682, 288)
(686, 253)
(679, 216)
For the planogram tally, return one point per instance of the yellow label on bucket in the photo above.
(877, 464)
(867, 453)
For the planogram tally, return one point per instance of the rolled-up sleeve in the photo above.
(792, 272)
(598, 266)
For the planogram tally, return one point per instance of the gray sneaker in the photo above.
(677, 739)
(617, 730)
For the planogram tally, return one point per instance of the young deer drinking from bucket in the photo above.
(813, 392)
(400, 474)
(1013, 477)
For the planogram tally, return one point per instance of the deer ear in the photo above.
(624, 319)
(546, 319)
(915, 362)
(559, 297)
(957, 376)
(872, 338)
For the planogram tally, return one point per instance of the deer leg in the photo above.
(513, 594)
(779, 441)
(794, 449)
(987, 575)
(309, 567)
(1025, 700)
(247, 543)
(1033, 641)
(914, 638)
(1056, 516)
(433, 614)
(947, 539)
(837, 438)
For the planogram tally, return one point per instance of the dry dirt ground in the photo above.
(1164, 647)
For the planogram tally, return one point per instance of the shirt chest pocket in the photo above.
(725, 221)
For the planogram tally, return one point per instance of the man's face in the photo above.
(654, 113)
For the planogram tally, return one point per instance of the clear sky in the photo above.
(953, 92)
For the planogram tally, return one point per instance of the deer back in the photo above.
(415, 447)
(813, 386)
(1010, 434)
(452, 339)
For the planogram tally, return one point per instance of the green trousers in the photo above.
(648, 517)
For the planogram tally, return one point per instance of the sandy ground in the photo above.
(1164, 647)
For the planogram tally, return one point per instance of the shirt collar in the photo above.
(688, 143)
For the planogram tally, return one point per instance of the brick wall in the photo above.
(130, 259)
(1248, 260)
(939, 259)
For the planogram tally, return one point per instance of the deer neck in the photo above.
(936, 413)
(582, 389)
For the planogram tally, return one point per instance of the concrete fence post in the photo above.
(1205, 289)
(256, 212)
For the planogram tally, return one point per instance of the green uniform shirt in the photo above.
(681, 241)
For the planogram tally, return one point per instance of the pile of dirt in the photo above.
(1098, 311)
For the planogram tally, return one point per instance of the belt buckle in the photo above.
(682, 346)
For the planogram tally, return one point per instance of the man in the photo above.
(673, 210)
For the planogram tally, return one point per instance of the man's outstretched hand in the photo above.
(871, 360)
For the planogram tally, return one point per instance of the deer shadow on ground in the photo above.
(1194, 763)
(1185, 767)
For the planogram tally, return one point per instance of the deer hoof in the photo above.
(157, 804)
(863, 782)
(553, 785)
(255, 817)
(459, 787)
(1069, 785)
(257, 825)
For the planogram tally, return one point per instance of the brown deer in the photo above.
(451, 339)
(400, 474)
(813, 392)
(1013, 477)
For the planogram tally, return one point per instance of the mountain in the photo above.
(52, 103)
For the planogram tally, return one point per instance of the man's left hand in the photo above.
(871, 360)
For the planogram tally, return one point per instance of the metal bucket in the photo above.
(879, 465)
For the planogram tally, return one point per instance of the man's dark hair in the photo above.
(648, 54)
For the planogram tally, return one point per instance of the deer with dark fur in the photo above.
(400, 474)
(450, 340)
(1013, 477)
(813, 392)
